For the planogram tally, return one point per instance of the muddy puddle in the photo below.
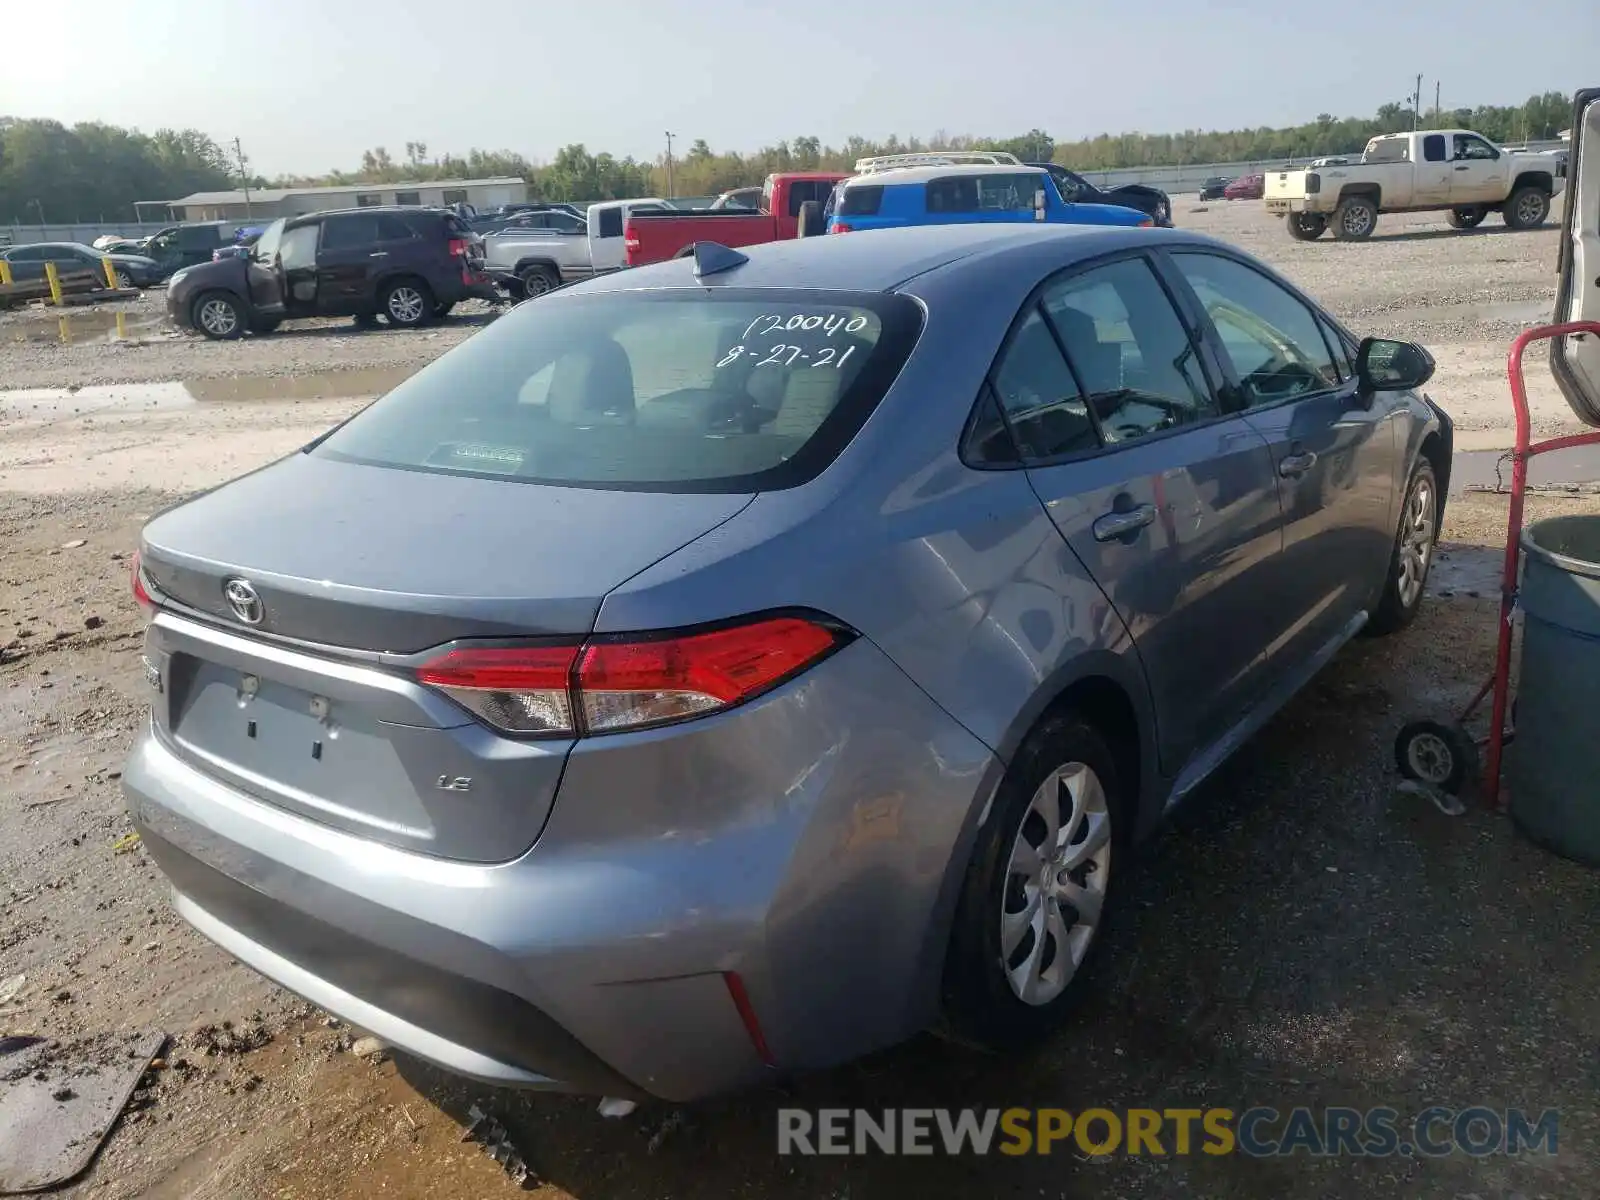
(136, 397)
(87, 327)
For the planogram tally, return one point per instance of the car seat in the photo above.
(593, 385)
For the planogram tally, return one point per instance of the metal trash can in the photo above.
(1554, 763)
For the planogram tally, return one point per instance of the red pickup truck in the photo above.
(655, 237)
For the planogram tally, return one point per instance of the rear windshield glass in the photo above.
(669, 390)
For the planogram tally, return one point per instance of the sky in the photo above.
(307, 85)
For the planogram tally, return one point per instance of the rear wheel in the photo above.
(1467, 218)
(218, 315)
(1355, 219)
(407, 303)
(1526, 208)
(536, 281)
(1306, 227)
(1037, 888)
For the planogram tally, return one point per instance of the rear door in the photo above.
(1434, 176)
(297, 269)
(1166, 499)
(348, 256)
(1334, 456)
(1575, 360)
(263, 273)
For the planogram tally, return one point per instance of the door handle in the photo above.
(1461, 168)
(379, 254)
(1297, 464)
(1116, 525)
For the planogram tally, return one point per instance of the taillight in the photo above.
(1147, 223)
(615, 683)
(459, 247)
(1313, 183)
(140, 592)
(840, 227)
(519, 689)
(630, 244)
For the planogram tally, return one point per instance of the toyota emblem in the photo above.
(244, 600)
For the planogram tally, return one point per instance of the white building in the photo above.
(265, 204)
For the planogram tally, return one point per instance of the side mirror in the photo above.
(1383, 365)
(1038, 205)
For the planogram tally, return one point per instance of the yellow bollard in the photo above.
(122, 325)
(111, 273)
(5, 272)
(53, 278)
(64, 324)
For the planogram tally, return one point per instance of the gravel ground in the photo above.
(1301, 933)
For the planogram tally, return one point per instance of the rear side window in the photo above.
(1433, 147)
(672, 390)
(983, 193)
(347, 233)
(393, 229)
(861, 201)
(611, 222)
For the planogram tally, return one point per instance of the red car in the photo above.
(1246, 187)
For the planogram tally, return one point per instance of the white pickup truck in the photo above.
(530, 262)
(1454, 170)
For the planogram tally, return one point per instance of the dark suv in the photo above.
(409, 265)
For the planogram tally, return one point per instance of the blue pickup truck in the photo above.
(961, 194)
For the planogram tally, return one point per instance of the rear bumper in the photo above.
(811, 842)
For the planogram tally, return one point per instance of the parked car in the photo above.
(1575, 361)
(180, 246)
(615, 679)
(1075, 189)
(410, 265)
(1246, 187)
(963, 194)
(510, 215)
(1215, 188)
(556, 219)
(786, 199)
(132, 270)
(531, 262)
(1455, 171)
(739, 198)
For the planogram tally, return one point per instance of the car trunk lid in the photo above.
(300, 688)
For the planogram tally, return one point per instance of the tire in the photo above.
(1407, 580)
(537, 280)
(441, 310)
(1526, 208)
(218, 315)
(985, 980)
(1466, 218)
(1355, 219)
(809, 222)
(1306, 227)
(124, 280)
(1441, 755)
(262, 325)
(406, 303)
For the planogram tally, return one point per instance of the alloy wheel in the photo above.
(406, 305)
(1530, 208)
(1357, 221)
(124, 280)
(218, 317)
(1055, 885)
(1416, 542)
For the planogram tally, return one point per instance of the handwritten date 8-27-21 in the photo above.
(784, 355)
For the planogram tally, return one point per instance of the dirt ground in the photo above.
(1302, 933)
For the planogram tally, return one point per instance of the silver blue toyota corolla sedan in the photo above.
(735, 665)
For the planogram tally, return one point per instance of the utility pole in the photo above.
(670, 136)
(1438, 113)
(244, 177)
(1416, 104)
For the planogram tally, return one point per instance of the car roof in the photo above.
(37, 245)
(895, 175)
(883, 259)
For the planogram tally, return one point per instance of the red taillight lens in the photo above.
(627, 683)
(840, 227)
(630, 244)
(1147, 223)
(140, 592)
(520, 689)
(459, 247)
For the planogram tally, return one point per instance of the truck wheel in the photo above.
(218, 315)
(1306, 227)
(407, 303)
(536, 281)
(1466, 218)
(1526, 208)
(810, 222)
(1355, 219)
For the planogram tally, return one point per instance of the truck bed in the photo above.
(656, 237)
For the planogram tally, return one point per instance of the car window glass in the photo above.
(982, 193)
(1470, 147)
(1341, 355)
(25, 254)
(799, 192)
(267, 245)
(299, 247)
(346, 233)
(1069, 184)
(863, 200)
(610, 223)
(1270, 336)
(1129, 349)
(1038, 394)
(1433, 147)
(392, 229)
